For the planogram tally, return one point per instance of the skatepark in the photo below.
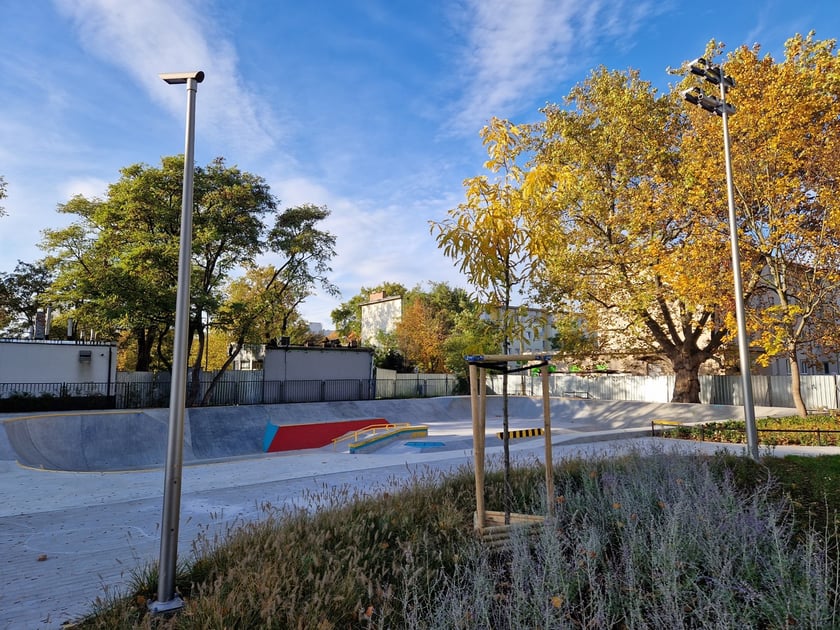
(81, 493)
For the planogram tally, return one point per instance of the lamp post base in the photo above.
(164, 608)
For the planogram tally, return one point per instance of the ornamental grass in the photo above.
(652, 539)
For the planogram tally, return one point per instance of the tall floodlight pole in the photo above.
(714, 74)
(167, 599)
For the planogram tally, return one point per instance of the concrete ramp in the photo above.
(7, 453)
(220, 432)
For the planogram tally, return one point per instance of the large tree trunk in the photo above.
(194, 389)
(145, 343)
(796, 386)
(687, 381)
(220, 373)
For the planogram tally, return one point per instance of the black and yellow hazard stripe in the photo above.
(520, 433)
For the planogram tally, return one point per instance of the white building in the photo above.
(89, 366)
(535, 330)
(250, 357)
(380, 314)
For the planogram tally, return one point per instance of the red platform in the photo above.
(292, 437)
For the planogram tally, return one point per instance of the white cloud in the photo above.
(376, 241)
(148, 37)
(89, 187)
(517, 50)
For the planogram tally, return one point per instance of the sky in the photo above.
(371, 108)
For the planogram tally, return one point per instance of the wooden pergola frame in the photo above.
(494, 523)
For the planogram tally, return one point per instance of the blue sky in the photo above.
(370, 107)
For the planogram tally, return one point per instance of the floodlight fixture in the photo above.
(692, 95)
(174, 78)
(709, 103)
(713, 75)
(727, 108)
(698, 66)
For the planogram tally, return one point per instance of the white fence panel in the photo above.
(820, 391)
(246, 387)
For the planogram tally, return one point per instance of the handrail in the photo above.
(372, 428)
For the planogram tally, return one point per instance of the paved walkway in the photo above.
(70, 538)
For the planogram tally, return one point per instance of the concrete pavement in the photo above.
(69, 538)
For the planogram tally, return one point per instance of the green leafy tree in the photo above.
(22, 295)
(428, 320)
(2, 195)
(387, 355)
(471, 334)
(262, 305)
(116, 265)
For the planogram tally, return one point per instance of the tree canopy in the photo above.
(22, 295)
(429, 330)
(488, 235)
(618, 199)
(116, 264)
(2, 194)
(617, 238)
(785, 139)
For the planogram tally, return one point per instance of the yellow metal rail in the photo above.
(661, 422)
(368, 431)
(373, 440)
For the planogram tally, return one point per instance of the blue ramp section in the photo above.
(269, 435)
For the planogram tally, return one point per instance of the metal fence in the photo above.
(417, 386)
(818, 391)
(148, 390)
(145, 390)
(56, 396)
(246, 392)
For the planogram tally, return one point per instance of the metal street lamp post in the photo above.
(167, 599)
(714, 74)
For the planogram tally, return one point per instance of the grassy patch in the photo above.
(652, 539)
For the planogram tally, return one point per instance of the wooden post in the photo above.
(477, 403)
(482, 416)
(549, 465)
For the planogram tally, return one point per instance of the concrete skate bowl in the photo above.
(133, 440)
(88, 441)
(130, 440)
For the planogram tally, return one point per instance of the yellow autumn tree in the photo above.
(420, 336)
(487, 237)
(785, 146)
(615, 236)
